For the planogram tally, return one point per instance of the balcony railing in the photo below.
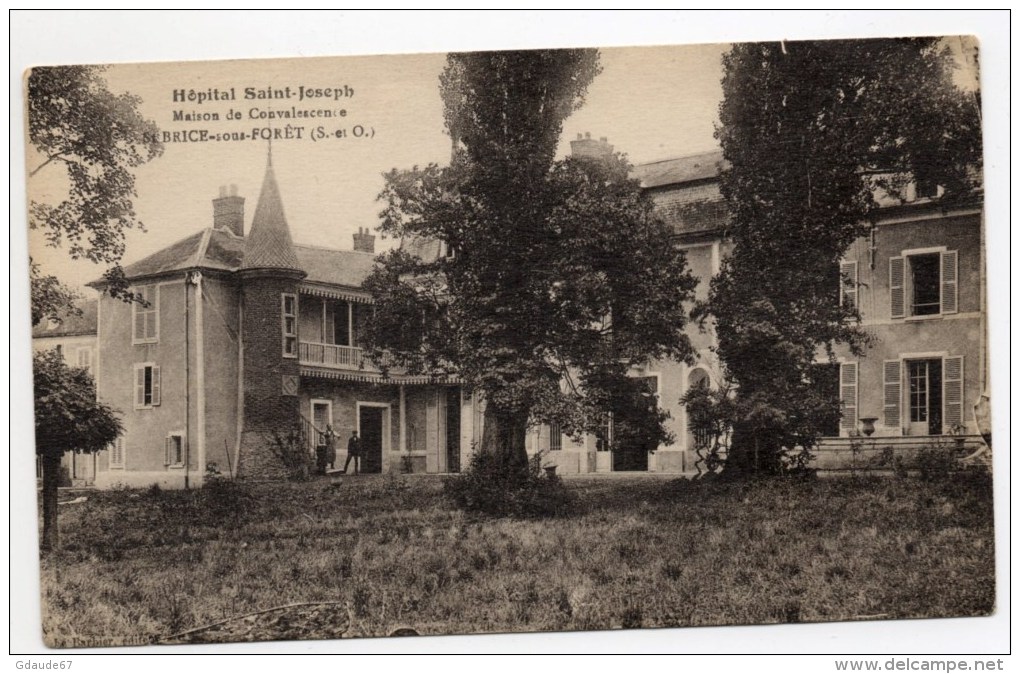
(333, 355)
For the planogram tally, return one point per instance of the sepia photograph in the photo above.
(513, 340)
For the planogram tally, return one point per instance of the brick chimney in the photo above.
(363, 241)
(228, 211)
(586, 146)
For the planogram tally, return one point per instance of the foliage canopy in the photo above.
(813, 132)
(557, 275)
(99, 138)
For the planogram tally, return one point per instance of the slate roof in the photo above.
(269, 245)
(207, 248)
(334, 267)
(680, 169)
(71, 325)
(173, 257)
(224, 251)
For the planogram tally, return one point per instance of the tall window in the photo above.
(146, 316)
(848, 284)
(289, 314)
(924, 382)
(555, 436)
(698, 437)
(923, 396)
(85, 357)
(147, 386)
(923, 283)
(342, 323)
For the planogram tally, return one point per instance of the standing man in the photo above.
(353, 452)
(330, 446)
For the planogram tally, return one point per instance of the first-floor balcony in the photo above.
(334, 356)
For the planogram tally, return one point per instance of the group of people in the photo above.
(325, 451)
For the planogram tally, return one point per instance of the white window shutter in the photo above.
(139, 322)
(892, 393)
(897, 292)
(167, 459)
(155, 385)
(848, 281)
(952, 391)
(848, 396)
(949, 285)
(117, 453)
(139, 386)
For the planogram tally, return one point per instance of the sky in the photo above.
(651, 103)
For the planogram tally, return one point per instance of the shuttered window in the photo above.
(174, 449)
(952, 392)
(848, 396)
(923, 284)
(848, 284)
(117, 453)
(892, 394)
(147, 386)
(146, 315)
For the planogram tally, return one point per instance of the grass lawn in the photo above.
(640, 552)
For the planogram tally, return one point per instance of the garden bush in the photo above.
(490, 487)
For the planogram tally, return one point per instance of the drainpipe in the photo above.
(236, 471)
(187, 385)
(196, 278)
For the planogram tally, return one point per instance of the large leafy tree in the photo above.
(68, 418)
(96, 138)
(558, 276)
(812, 132)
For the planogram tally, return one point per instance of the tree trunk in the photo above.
(751, 453)
(50, 482)
(503, 435)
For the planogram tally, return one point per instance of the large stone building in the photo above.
(247, 348)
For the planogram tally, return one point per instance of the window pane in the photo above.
(918, 374)
(147, 387)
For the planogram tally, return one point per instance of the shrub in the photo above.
(490, 487)
(937, 461)
(223, 498)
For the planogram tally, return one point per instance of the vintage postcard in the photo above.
(511, 341)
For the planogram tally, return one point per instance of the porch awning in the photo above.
(336, 293)
(374, 377)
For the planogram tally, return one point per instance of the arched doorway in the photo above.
(697, 378)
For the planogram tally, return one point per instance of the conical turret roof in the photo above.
(269, 245)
